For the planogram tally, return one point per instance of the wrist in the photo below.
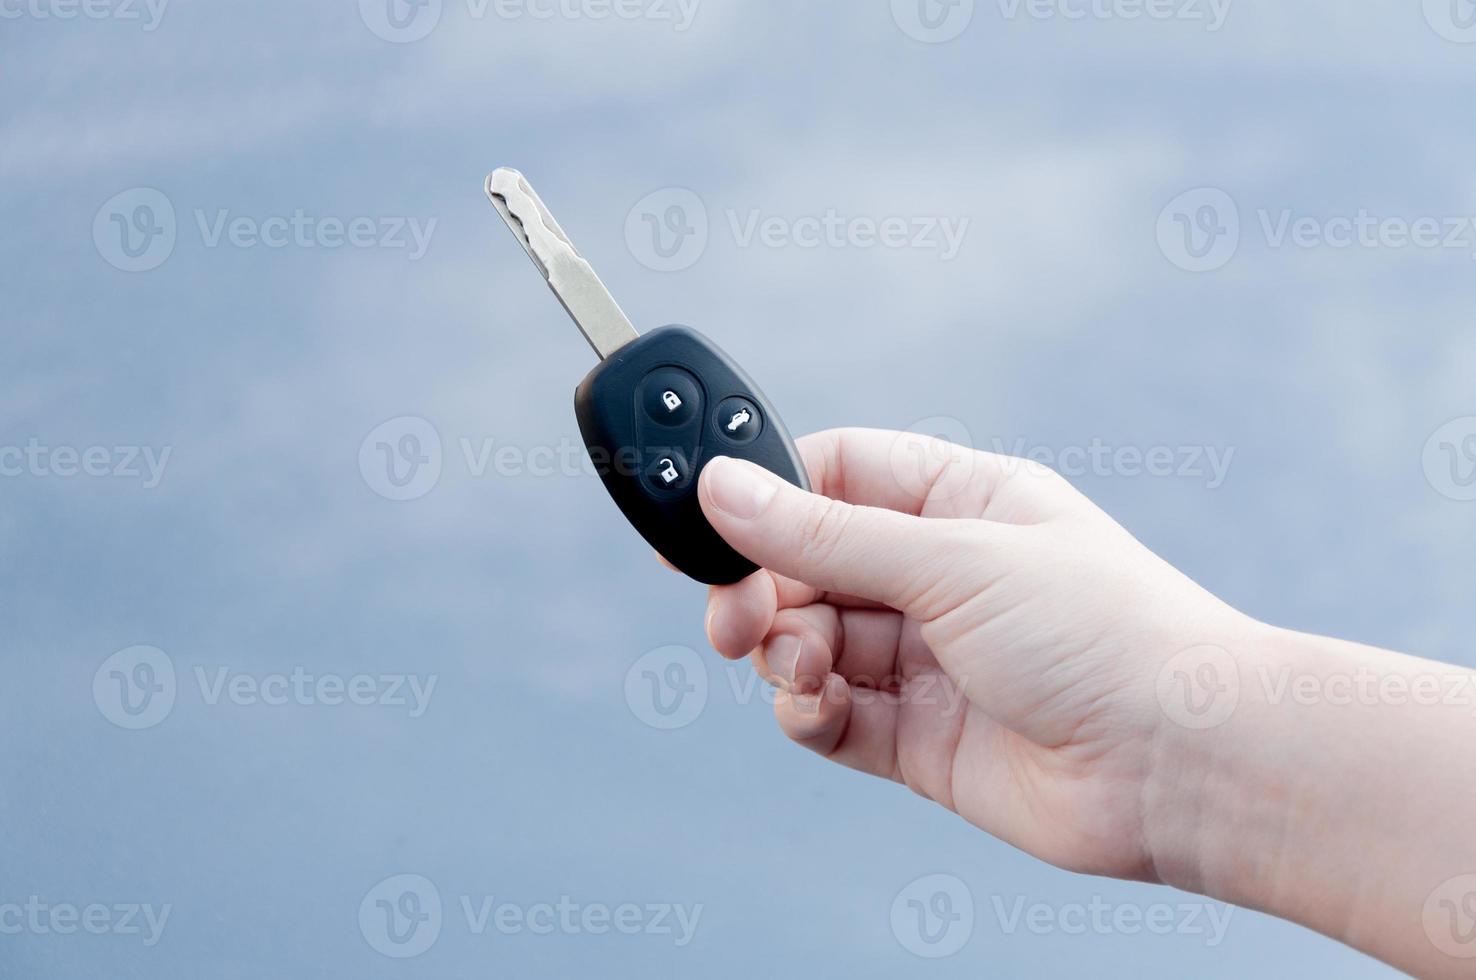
(1209, 769)
(1321, 794)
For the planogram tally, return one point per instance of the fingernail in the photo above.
(740, 491)
(783, 654)
(712, 607)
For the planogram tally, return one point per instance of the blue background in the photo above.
(266, 548)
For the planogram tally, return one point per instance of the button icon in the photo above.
(669, 472)
(737, 420)
(671, 397)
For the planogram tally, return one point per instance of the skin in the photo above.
(971, 626)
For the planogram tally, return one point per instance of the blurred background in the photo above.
(325, 655)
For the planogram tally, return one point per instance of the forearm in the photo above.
(1340, 793)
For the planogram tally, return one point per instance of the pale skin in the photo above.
(975, 628)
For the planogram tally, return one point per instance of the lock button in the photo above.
(671, 397)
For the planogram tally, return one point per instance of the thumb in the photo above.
(831, 545)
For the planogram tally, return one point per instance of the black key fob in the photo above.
(658, 407)
(652, 414)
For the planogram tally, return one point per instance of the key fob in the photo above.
(658, 407)
(652, 414)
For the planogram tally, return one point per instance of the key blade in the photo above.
(571, 278)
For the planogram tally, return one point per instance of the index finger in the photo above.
(879, 468)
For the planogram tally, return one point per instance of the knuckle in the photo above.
(1035, 469)
(1041, 477)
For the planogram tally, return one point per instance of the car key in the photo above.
(657, 407)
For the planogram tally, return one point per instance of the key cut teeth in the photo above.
(571, 278)
(528, 217)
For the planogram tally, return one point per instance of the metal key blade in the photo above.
(572, 279)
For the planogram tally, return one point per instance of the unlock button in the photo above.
(669, 471)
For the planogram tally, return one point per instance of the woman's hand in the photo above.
(972, 626)
(967, 624)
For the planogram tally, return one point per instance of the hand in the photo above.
(971, 626)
